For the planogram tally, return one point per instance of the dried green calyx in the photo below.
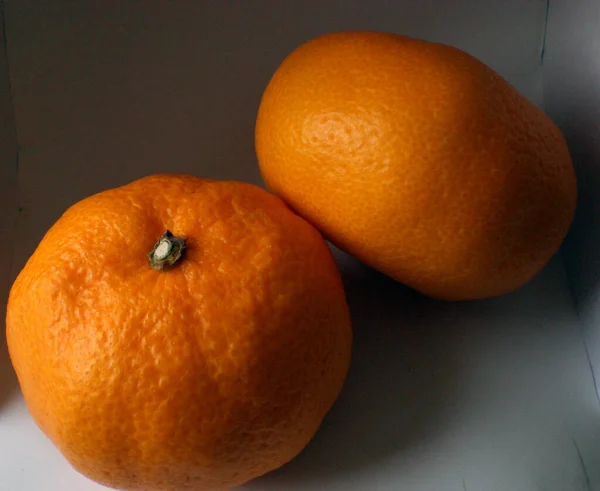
(166, 252)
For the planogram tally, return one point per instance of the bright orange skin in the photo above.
(419, 160)
(203, 376)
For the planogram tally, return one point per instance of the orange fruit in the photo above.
(419, 160)
(212, 367)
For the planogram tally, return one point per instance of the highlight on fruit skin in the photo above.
(179, 333)
(418, 159)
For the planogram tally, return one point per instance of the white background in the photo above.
(494, 395)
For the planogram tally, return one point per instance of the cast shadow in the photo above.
(8, 379)
(411, 368)
(404, 378)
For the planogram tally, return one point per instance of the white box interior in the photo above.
(488, 395)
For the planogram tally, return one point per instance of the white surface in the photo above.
(493, 395)
(572, 86)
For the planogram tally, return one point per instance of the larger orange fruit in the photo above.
(418, 159)
(200, 367)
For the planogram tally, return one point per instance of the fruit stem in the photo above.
(166, 252)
